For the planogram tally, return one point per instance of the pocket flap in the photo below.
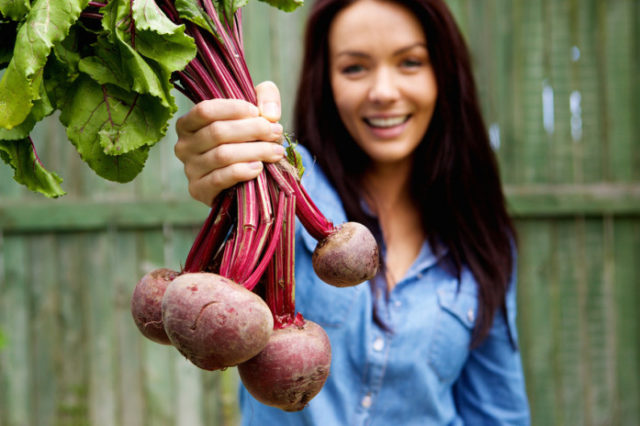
(461, 305)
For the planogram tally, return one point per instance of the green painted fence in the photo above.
(560, 85)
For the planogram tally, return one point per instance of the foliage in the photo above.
(107, 67)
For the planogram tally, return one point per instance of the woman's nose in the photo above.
(384, 87)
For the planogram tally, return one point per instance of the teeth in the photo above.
(387, 122)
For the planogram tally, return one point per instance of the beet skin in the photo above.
(291, 369)
(213, 321)
(146, 304)
(347, 257)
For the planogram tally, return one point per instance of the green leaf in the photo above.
(286, 5)
(122, 59)
(47, 22)
(191, 11)
(41, 108)
(230, 7)
(111, 128)
(28, 170)
(14, 9)
(106, 67)
(293, 157)
(68, 51)
(160, 39)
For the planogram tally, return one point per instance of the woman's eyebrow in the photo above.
(400, 51)
(355, 53)
(409, 47)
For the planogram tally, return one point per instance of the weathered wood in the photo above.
(559, 87)
(15, 322)
(535, 320)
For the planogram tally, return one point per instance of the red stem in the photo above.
(246, 229)
(289, 238)
(253, 279)
(211, 236)
(309, 214)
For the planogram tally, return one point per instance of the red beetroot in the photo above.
(213, 321)
(347, 256)
(146, 304)
(291, 369)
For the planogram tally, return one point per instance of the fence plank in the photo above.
(102, 376)
(627, 299)
(535, 321)
(15, 321)
(71, 362)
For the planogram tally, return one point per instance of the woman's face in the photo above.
(383, 83)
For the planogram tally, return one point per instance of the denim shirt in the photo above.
(421, 371)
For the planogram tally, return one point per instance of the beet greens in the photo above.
(109, 68)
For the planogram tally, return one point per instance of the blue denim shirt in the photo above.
(422, 371)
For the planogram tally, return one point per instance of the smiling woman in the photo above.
(392, 137)
(383, 83)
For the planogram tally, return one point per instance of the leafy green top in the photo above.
(109, 68)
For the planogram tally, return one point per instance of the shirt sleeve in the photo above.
(491, 387)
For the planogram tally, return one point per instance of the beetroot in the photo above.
(146, 304)
(347, 256)
(214, 322)
(291, 369)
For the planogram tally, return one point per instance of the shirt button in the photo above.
(398, 303)
(378, 344)
(470, 315)
(366, 401)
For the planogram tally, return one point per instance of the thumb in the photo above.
(269, 100)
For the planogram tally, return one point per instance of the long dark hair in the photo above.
(455, 181)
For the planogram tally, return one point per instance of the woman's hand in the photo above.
(224, 141)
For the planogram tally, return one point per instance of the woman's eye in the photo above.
(412, 63)
(352, 69)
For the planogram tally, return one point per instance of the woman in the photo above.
(394, 139)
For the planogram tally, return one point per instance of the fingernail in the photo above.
(271, 109)
(255, 165)
(276, 128)
(278, 150)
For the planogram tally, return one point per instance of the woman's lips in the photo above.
(387, 127)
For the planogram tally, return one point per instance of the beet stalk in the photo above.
(295, 363)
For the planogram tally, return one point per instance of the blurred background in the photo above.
(560, 86)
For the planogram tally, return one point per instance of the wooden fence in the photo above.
(560, 84)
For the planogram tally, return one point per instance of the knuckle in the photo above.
(200, 109)
(178, 150)
(216, 131)
(216, 180)
(222, 155)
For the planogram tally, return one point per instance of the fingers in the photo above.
(269, 101)
(220, 133)
(225, 166)
(228, 155)
(209, 186)
(209, 111)
(225, 141)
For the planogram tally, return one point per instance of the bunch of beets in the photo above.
(210, 310)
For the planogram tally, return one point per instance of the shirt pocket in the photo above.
(454, 324)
